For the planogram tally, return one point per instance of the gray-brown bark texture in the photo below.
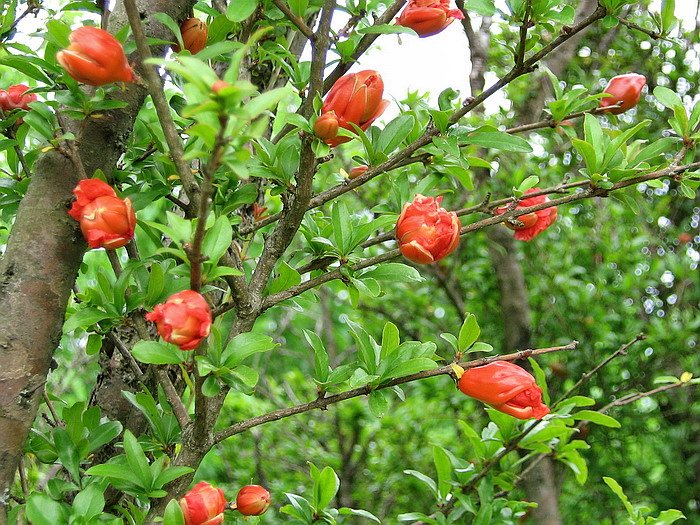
(44, 252)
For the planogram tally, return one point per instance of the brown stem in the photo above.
(322, 403)
(206, 191)
(653, 34)
(154, 85)
(294, 19)
(587, 376)
(406, 153)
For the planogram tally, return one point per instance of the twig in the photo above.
(294, 212)
(294, 19)
(631, 398)
(520, 57)
(31, 8)
(626, 400)
(652, 34)
(207, 189)
(23, 477)
(551, 123)
(126, 354)
(49, 404)
(590, 192)
(154, 85)
(406, 153)
(73, 153)
(322, 403)
(587, 376)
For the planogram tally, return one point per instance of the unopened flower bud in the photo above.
(252, 500)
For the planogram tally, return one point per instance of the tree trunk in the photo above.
(44, 252)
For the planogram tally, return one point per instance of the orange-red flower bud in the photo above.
(203, 505)
(533, 223)
(625, 90)
(14, 98)
(357, 171)
(326, 126)
(506, 387)
(426, 232)
(219, 85)
(356, 98)
(95, 57)
(428, 17)
(184, 319)
(105, 220)
(252, 500)
(194, 36)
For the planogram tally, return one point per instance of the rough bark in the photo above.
(44, 252)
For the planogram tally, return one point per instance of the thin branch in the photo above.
(551, 123)
(363, 45)
(154, 85)
(126, 354)
(322, 403)
(49, 404)
(626, 400)
(405, 154)
(631, 398)
(294, 19)
(32, 8)
(590, 192)
(194, 253)
(652, 34)
(293, 212)
(183, 418)
(520, 58)
(587, 376)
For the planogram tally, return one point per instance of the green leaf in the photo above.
(358, 512)
(425, 479)
(468, 333)
(541, 379)
(341, 227)
(103, 434)
(667, 97)
(593, 132)
(89, 502)
(385, 29)
(617, 489)
(137, 461)
(67, 453)
(170, 474)
(244, 345)
(378, 403)
(288, 277)
(321, 360)
(241, 9)
(668, 18)
(394, 272)
(498, 140)
(113, 470)
(211, 386)
(173, 514)
(390, 339)
(481, 7)
(84, 318)
(443, 467)
(268, 100)
(42, 510)
(597, 418)
(588, 152)
(156, 353)
(394, 133)
(325, 488)
(668, 516)
(529, 182)
(217, 240)
(412, 366)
